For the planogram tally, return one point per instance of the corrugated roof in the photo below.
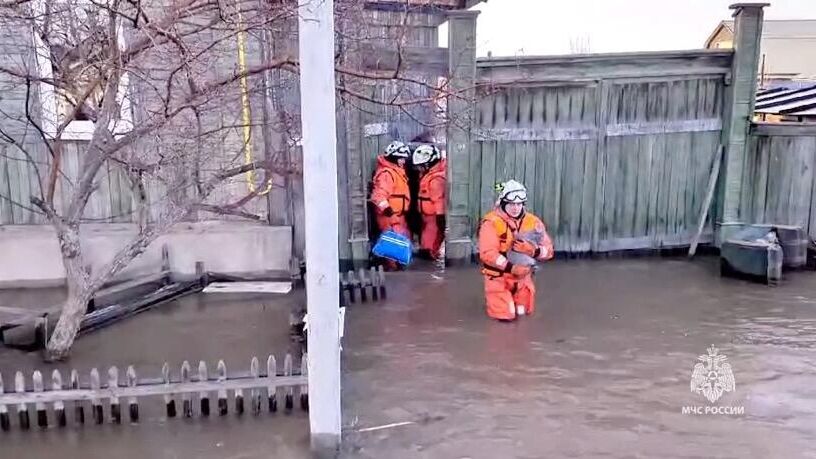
(794, 102)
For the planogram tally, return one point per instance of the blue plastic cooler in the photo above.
(393, 246)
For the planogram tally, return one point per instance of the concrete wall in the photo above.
(31, 258)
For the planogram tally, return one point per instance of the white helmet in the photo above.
(425, 154)
(513, 191)
(397, 149)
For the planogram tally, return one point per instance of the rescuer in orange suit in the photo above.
(431, 166)
(390, 193)
(509, 287)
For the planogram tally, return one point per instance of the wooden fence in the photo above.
(779, 172)
(614, 149)
(126, 387)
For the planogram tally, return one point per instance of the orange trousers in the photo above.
(505, 294)
(397, 224)
(432, 235)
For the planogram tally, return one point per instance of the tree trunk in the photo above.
(79, 293)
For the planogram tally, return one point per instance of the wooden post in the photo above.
(79, 410)
(352, 285)
(304, 388)
(462, 70)
(169, 401)
(271, 388)
(239, 401)
(738, 111)
(204, 396)
(255, 393)
(186, 397)
(115, 407)
(363, 286)
(22, 409)
(319, 130)
(5, 423)
(375, 282)
(133, 403)
(222, 393)
(59, 406)
(39, 386)
(289, 400)
(383, 293)
(96, 404)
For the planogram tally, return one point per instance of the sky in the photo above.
(542, 27)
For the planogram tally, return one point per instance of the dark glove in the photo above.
(388, 212)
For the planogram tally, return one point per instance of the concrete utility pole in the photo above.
(317, 112)
(740, 99)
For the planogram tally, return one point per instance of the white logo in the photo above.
(712, 376)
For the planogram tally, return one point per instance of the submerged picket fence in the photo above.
(128, 388)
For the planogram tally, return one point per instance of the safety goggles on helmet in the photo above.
(516, 197)
(425, 154)
(398, 149)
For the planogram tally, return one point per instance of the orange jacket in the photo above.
(390, 187)
(432, 190)
(496, 234)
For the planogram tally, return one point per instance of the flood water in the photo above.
(602, 370)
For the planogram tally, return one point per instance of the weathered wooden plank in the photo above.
(533, 134)
(558, 177)
(474, 182)
(487, 114)
(59, 406)
(115, 407)
(783, 129)
(587, 196)
(706, 203)
(133, 402)
(513, 103)
(96, 395)
(541, 208)
(530, 175)
(488, 179)
(22, 409)
(521, 156)
(664, 127)
(500, 109)
(596, 66)
(5, 422)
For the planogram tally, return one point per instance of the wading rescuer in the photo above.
(390, 193)
(431, 166)
(511, 241)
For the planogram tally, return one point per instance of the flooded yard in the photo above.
(602, 370)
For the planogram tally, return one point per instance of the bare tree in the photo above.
(167, 105)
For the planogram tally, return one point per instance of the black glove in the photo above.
(388, 211)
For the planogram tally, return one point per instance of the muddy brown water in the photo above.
(602, 370)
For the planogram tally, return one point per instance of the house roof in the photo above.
(783, 101)
(441, 4)
(789, 46)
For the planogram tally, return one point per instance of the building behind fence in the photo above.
(616, 149)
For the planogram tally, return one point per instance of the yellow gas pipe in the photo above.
(245, 109)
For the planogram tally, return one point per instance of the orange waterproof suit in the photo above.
(504, 292)
(390, 190)
(431, 206)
